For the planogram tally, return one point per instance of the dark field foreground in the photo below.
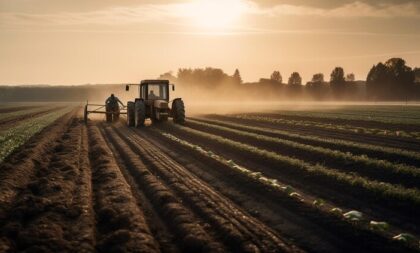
(275, 182)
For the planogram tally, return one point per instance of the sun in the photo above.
(215, 14)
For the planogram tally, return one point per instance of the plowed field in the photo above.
(219, 183)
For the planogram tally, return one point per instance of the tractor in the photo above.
(153, 103)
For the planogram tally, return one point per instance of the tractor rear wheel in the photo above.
(178, 111)
(130, 114)
(139, 113)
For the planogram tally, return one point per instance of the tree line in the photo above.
(392, 80)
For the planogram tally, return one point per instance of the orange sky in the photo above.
(110, 41)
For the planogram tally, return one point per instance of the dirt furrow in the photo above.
(243, 233)
(16, 170)
(396, 142)
(346, 196)
(306, 225)
(190, 231)
(121, 226)
(54, 212)
(159, 229)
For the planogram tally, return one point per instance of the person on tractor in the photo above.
(152, 95)
(112, 108)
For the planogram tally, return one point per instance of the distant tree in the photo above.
(392, 80)
(208, 77)
(168, 76)
(350, 77)
(416, 72)
(378, 81)
(318, 78)
(337, 82)
(416, 75)
(295, 79)
(276, 76)
(317, 87)
(237, 77)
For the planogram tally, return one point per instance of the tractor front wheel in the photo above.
(178, 111)
(140, 113)
(130, 114)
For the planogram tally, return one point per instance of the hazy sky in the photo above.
(114, 41)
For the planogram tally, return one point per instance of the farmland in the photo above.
(341, 179)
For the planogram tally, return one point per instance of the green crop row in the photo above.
(361, 162)
(382, 190)
(348, 128)
(353, 217)
(388, 114)
(11, 115)
(337, 143)
(13, 138)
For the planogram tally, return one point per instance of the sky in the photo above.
(115, 41)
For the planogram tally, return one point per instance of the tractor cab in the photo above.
(153, 102)
(154, 89)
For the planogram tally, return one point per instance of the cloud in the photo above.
(175, 13)
(350, 10)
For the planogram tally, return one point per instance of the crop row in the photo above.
(400, 173)
(348, 128)
(121, 224)
(238, 231)
(352, 217)
(394, 196)
(184, 223)
(14, 137)
(9, 115)
(386, 153)
(389, 114)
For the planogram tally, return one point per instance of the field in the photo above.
(330, 179)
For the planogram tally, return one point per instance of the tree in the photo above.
(350, 77)
(276, 76)
(318, 78)
(390, 80)
(168, 76)
(416, 75)
(237, 77)
(317, 87)
(295, 79)
(337, 81)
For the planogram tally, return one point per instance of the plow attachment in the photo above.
(112, 114)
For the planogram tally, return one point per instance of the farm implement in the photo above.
(112, 113)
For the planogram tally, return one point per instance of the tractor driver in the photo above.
(152, 95)
(113, 101)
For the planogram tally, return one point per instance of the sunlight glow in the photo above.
(215, 14)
